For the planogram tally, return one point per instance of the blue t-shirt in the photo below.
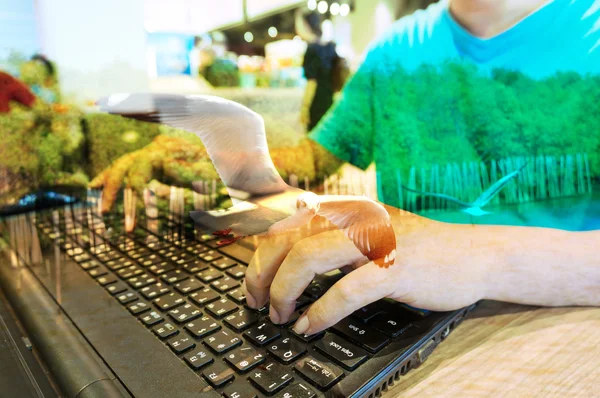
(441, 111)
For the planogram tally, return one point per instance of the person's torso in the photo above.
(454, 113)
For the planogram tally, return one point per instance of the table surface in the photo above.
(512, 350)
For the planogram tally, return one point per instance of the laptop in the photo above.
(158, 311)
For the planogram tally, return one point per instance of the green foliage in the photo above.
(454, 113)
(222, 73)
(109, 137)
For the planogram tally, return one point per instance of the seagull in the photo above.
(235, 139)
(475, 208)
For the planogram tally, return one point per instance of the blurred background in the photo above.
(69, 53)
(99, 48)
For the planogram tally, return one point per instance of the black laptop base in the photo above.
(113, 343)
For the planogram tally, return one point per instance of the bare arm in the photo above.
(543, 266)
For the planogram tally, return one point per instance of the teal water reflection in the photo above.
(581, 213)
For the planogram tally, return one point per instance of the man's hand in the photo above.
(436, 268)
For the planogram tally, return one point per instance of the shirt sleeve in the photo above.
(347, 130)
(311, 63)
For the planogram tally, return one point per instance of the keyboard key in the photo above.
(198, 358)
(244, 359)
(202, 327)
(157, 245)
(204, 237)
(224, 284)
(140, 281)
(161, 268)
(116, 288)
(369, 311)
(209, 275)
(138, 253)
(291, 320)
(138, 307)
(262, 334)
(197, 248)
(82, 258)
(302, 301)
(125, 243)
(218, 374)
(239, 389)
(299, 390)
(221, 308)
(89, 264)
(165, 330)
(237, 295)
(127, 297)
(287, 350)
(342, 352)
(168, 251)
(319, 371)
(237, 272)
(195, 266)
(174, 276)
(223, 263)
(308, 338)
(119, 263)
(151, 318)
(315, 290)
(182, 257)
(222, 341)
(129, 272)
(263, 310)
(270, 377)
(169, 301)
(155, 290)
(210, 256)
(107, 280)
(106, 257)
(241, 320)
(98, 272)
(188, 286)
(204, 296)
(150, 259)
(180, 344)
(393, 325)
(185, 313)
(364, 335)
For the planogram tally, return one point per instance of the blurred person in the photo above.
(319, 63)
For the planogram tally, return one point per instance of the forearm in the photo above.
(540, 266)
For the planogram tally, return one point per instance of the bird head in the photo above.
(308, 200)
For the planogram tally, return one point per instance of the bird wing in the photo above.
(244, 218)
(492, 191)
(441, 196)
(300, 218)
(234, 136)
(367, 224)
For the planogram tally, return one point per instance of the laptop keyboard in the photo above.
(186, 290)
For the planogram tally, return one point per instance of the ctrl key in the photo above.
(320, 372)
